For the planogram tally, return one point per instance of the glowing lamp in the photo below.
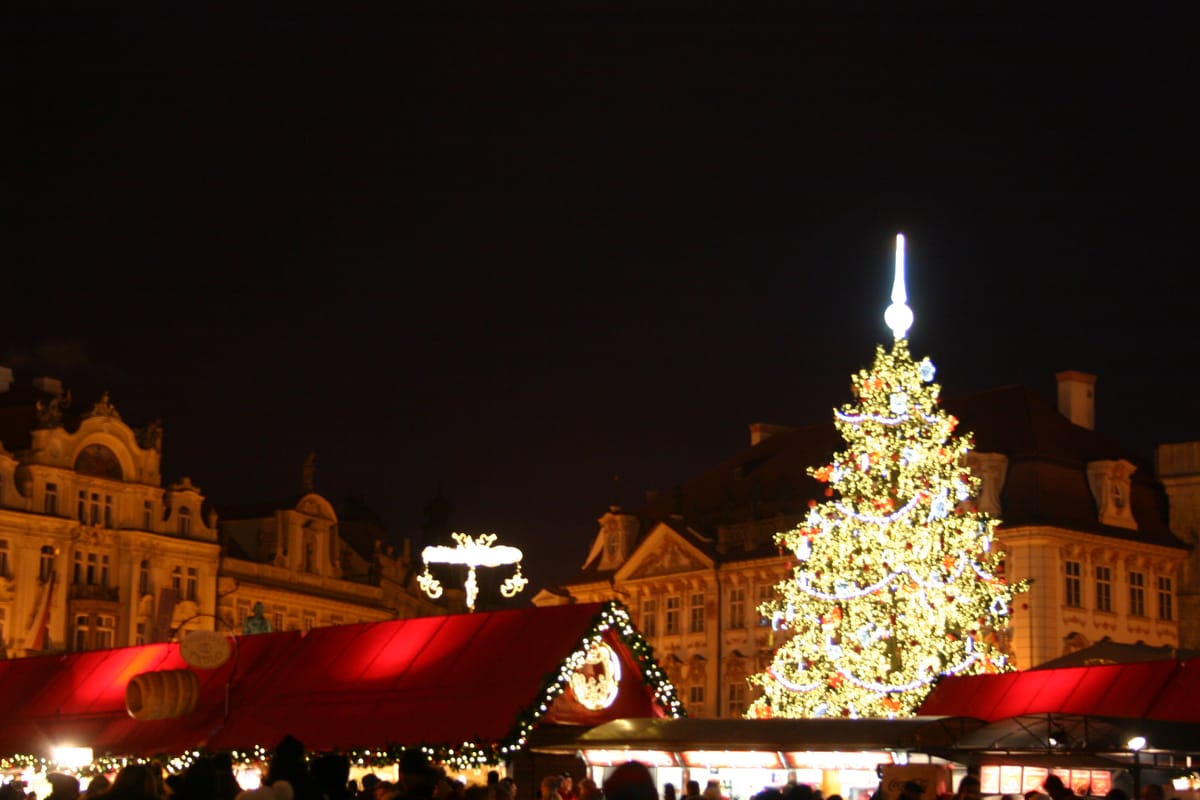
(72, 757)
(473, 552)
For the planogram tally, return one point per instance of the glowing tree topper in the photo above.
(474, 552)
(897, 578)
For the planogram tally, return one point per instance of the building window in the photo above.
(650, 617)
(177, 581)
(672, 621)
(46, 565)
(696, 617)
(81, 507)
(766, 593)
(92, 563)
(185, 521)
(144, 578)
(243, 613)
(1074, 595)
(81, 632)
(737, 608)
(147, 515)
(95, 509)
(309, 620)
(106, 631)
(736, 699)
(50, 499)
(140, 637)
(696, 695)
(1165, 603)
(108, 511)
(3, 564)
(77, 568)
(193, 581)
(1137, 594)
(1103, 588)
(612, 547)
(277, 618)
(105, 563)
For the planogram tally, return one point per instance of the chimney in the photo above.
(1077, 398)
(6, 379)
(761, 431)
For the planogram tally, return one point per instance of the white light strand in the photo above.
(884, 688)
(856, 419)
(895, 515)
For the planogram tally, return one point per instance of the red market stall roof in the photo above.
(1094, 710)
(1167, 691)
(470, 686)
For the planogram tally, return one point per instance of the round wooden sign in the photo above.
(205, 649)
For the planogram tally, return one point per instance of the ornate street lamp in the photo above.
(473, 552)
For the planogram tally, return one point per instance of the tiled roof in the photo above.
(1046, 483)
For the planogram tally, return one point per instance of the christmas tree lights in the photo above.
(897, 578)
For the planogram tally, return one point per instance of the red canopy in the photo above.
(1166, 691)
(454, 682)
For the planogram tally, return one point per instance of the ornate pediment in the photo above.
(669, 560)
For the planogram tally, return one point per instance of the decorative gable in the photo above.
(670, 560)
(1110, 484)
(661, 553)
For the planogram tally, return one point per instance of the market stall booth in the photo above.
(468, 688)
(849, 757)
(1094, 726)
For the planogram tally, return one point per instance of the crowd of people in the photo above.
(292, 775)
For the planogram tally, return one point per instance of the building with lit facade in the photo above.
(97, 551)
(298, 557)
(1080, 517)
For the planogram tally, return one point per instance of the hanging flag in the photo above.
(35, 634)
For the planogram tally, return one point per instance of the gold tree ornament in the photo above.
(473, 552)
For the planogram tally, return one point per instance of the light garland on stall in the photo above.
(896, 580)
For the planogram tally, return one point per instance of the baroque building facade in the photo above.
(1080, 516)
(96, 552)
(294, 557)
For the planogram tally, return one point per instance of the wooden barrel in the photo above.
(164, 694)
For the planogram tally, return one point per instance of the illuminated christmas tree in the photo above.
(897, 579)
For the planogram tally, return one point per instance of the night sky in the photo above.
(514, 258)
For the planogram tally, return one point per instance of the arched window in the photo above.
(98, 460)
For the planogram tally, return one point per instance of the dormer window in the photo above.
(1110, 485)
(185, 521)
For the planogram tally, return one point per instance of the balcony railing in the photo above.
(84, 591)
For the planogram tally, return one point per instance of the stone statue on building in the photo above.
(49, 414)
(257, 622)
(103, 408)
(151, 436)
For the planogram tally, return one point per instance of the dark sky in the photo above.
(516, 257)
